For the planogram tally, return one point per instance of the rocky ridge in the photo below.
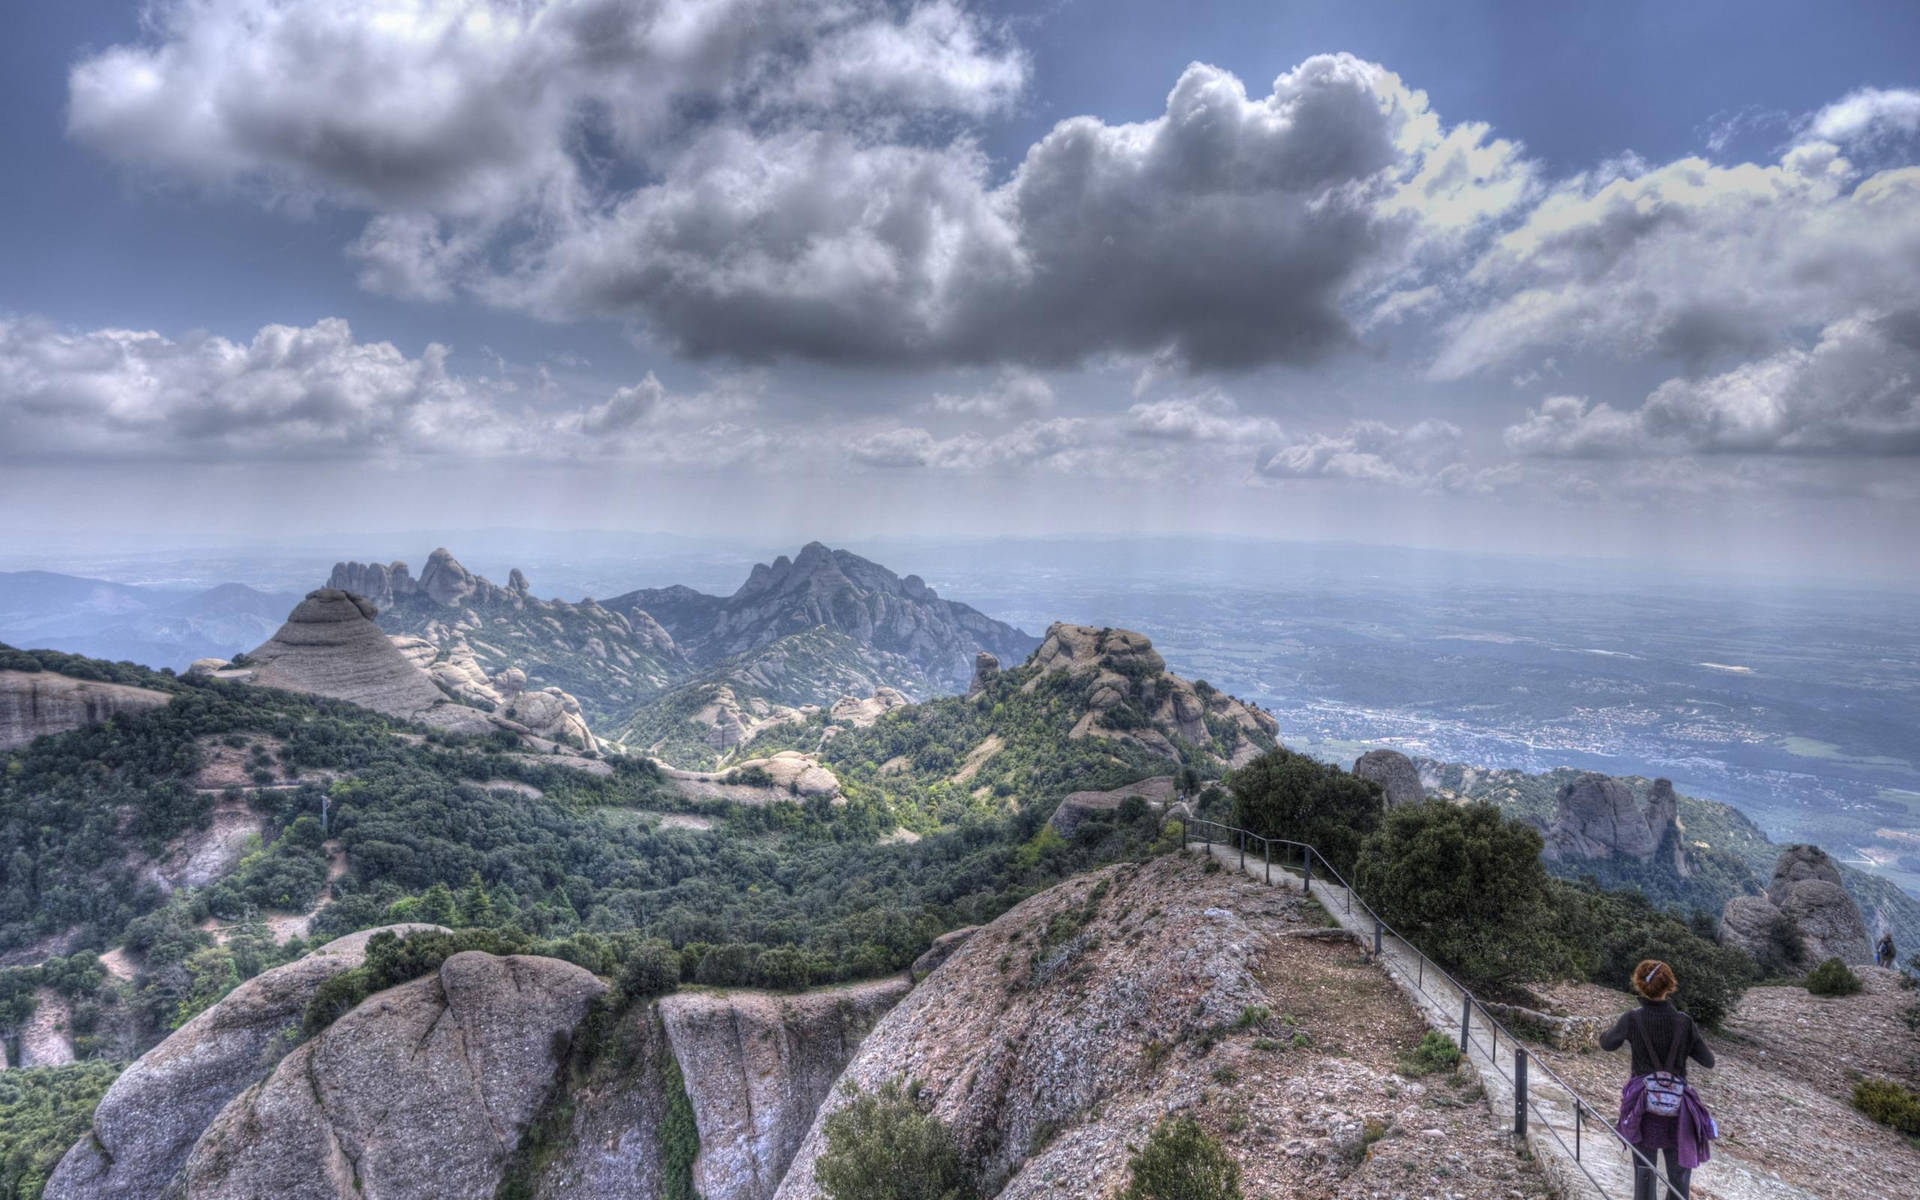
(1398, 778)
(37, 703)
(1596, 817)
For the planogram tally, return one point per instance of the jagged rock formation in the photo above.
(1806, 887)
(421, 1092)
(36, 703)
(546, 712)
(1395, 773)
(602, 657)
(1077, 807)
(985, 667)
(842, 592)
(1596, 817)
(157, 1109)
(1135, 700)
(757, 1068)
(611, 1147)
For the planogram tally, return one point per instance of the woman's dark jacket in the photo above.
(1659, 1020)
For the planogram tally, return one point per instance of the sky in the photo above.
(1636, 280)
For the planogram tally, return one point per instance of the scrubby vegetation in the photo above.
(43, 1111)
(1182, 1161)
(1436, 1052)
(1892, 1104)
(886, 1145)
(1833, 978)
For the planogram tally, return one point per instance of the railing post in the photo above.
(1306, 879)
(1420, 981)
(1266, 855)
(1579, 1112)
(1520, 1091)
(1243, 851)
(1466, 1026)
(1376, 937)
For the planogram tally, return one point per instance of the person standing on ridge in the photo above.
(1883, 954)
(1659, 1110)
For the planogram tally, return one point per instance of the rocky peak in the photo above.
(330, 646)
(985, 667)
(1395, 773)
(444, 579)
(1596, 817)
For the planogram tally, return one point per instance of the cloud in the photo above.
(1690, 262)
(768, 179)
(1867, 115)
(1061, 443)
(1015, 393)
(1855, 391)
(1211, 416)
(1369, 451)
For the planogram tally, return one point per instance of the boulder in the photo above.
(1806, 887)
(859, 714)
(36, 703)
(757, 1068)
(421, 1092)
(330, 646)
(150, 1118)
(444, 580)
(1395, 773)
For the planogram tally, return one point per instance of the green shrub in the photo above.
(883, 1146)
(1182, 1161)
(43, 1111)
(1435, 1053)
(652, 970)
(1608, 932)
(1889, 1103)
(1832, 978)
(1286, 795)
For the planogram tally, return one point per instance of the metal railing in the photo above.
(1428, 975)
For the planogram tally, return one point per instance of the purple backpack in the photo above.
(1664, 1089)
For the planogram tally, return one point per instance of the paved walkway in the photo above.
(1581, 1156)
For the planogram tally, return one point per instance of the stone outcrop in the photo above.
(986, 667)
(1077, 807)
(36, 703)
(421, 1092)
(157, 1109)
(844, 593)
(1806, 887)
(611, 1148)
(941, 950)
(859, 714)
(1395, 773)
(788, 775)
(1595, 817)
(1133, 699)
(757, 1067)
(548, 713)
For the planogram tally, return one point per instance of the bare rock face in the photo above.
(1806, 887)
(158, 1107)
(331, 647)
(1395, 773)
(941, 950)
(611, 1148)
(546, 713)
(421, 1092)
(445, 580)
(757, 1067)
(36, 703)
(1078, 806)
(1663, 821)
(1597, 818)
(381, 585)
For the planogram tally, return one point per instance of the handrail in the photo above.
(1582, 1110)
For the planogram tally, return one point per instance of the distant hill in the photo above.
(155, 626)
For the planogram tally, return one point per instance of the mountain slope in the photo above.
(608, 660)
(844, 593)
(159, 627)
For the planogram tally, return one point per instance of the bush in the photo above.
(1608, 932)
(1889, 1103)
(652, 970)
(43, 1111)
(1182, 1161)
(1832, 978)
(1467, 886)
(1286, 795)
(1435, 1053)
(883, 1146)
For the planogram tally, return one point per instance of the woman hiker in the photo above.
(1883, 953)
(1659, 1110)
